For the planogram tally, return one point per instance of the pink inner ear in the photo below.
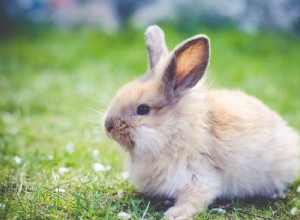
(188, 60)
(179, 79)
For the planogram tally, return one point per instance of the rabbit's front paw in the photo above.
(181, 212)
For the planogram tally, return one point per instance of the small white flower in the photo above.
(70, 147)
(55, 176)
(63, 170)
(120, 194)
(59, 190)
(50, 157)
(219, 210)
(298, 189)
(293, 211)
(17, 160)
(84, 179)
(98, 167)
(95, 153)
(124, 215)
(125, 175)
(282, 196)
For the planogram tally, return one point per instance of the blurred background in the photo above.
(111, 15)
(61, 61)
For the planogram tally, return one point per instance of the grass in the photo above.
(56, 83)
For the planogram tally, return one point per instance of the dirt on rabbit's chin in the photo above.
(126, 143)
(123, 138)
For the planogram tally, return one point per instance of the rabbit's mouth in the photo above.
(119, 130)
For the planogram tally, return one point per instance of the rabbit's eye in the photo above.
(142, 109)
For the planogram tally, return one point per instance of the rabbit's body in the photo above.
(194, 144)
(237, 145)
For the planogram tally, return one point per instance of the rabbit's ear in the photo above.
(156, 46)
(188, 64)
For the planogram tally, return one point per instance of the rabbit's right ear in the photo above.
(187, 65)
(156, 46)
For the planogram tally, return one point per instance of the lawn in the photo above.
(55, 160)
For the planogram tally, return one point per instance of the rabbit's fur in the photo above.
(196, 144)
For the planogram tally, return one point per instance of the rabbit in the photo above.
(194, 144)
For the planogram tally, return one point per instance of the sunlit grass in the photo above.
(55, 86)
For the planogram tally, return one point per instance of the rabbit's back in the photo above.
(259, 151)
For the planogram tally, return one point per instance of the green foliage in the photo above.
(55, 85)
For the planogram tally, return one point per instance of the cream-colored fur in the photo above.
(202, 145)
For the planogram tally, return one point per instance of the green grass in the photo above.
(56, 83)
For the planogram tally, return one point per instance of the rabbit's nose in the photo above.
(109, 125)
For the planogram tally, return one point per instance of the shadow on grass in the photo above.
(237, 206)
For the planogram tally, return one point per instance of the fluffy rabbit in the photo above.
(194, 144)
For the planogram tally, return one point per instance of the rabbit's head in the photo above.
(145, 114)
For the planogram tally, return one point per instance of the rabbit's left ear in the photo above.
(156, 45)
(188, 64)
